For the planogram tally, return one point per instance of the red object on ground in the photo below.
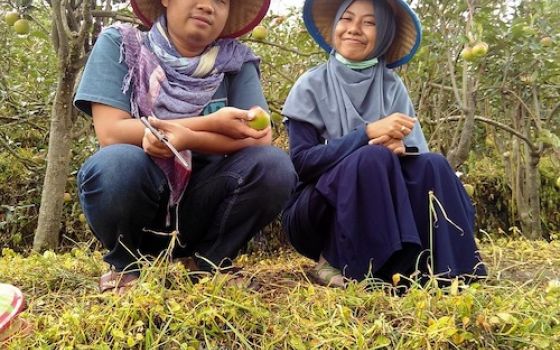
(12, 303)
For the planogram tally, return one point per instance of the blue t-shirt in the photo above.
(103, 77)
(104, 73)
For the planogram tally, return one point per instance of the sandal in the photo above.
(117, 282)
(328, 276)
(237, 277)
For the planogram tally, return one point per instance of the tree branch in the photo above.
(521, 101)
(115, 15)
(491, 122)
(552, 112)
(282, 47)
(455, 89)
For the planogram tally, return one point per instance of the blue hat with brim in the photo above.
(318, 16)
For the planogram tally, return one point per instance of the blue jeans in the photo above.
(123, 192)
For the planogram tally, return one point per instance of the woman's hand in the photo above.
(232, 122)
(395, 145)
(175, 133)
(395, 126)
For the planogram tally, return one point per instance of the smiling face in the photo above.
(355, 31)
(194, 24)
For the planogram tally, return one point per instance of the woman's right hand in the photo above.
(394, 145)
(395, 126)
(175, 133)
(232, 122)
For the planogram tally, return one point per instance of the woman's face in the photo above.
(355, 32)
(194, 24)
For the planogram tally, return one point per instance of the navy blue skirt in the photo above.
(370, 216)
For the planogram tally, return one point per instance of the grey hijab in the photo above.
(336, 99)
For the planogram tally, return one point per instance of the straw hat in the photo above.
(244, 15)
(318, 16)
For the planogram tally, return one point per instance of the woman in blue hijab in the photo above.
(362, 207)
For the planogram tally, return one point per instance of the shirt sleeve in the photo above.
(245, 90)
(311, 156)
(103, 75)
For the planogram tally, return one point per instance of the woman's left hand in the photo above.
(395, 145)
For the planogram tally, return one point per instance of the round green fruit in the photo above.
(11, 18)
(22, 26)
(261, 119)
(558, 182)
(470, 189)
(260, 33)
(67, 197)
(480, 49)
(467, 54)
(82, 218)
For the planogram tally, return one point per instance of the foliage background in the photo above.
(516, 85)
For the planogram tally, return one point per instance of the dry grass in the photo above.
(518, 307)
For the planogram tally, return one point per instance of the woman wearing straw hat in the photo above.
(212, 182)
(361, 208)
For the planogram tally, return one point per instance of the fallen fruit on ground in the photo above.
(470, 189)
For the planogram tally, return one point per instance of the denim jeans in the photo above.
(123, 193)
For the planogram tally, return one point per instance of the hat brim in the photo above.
(244, 15)
(318, 16)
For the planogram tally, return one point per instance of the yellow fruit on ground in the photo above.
(546, 41)
(11, 18)
(527, 78)
(22, 26)
(260, 33)
(261, 119)
(470, 189)
(82, 218)
(67, 197)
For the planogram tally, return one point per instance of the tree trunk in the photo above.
(532, 191)
(69, 36)
(58, 160)
(460, 153)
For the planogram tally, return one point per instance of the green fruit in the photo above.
(558, 182)
(11, 18)
(261, 119)
(546, 41)
(22, 26)
(82, 218)
(480, 49)
(467, 54)
(470, 189)
(260, 33)
(529, 31)
(67, 197)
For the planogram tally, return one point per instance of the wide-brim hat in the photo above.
(244, 15)
(318, 16)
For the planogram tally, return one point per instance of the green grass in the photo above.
(518, 307)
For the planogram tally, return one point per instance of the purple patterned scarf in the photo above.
(166, 85)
